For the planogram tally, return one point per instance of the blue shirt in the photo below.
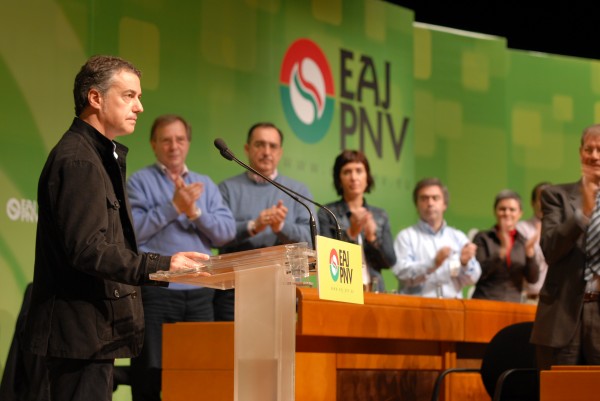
(247, 198)
(160, 228)
(416, 248)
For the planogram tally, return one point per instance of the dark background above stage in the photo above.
(571, 28)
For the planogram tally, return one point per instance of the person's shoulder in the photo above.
(377, 209)
(290, 180)
(489, 233)
(566, 187)
(142, 173)
(334, 203)
(73, 147)
(410, 230)
(236, 179)
(293, 183)
(200, 177)
(561, 191)
(456, 231)
(526, 224)
(335, 206)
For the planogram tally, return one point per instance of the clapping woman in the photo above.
(505, 255)
(360, 222)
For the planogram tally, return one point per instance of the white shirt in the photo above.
(416, 248)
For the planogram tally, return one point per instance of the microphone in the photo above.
(224, 150)
(228, 154)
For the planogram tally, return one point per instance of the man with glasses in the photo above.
(264, 215)
(567, 325)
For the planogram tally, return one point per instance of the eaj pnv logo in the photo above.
(306, 87)
(334, 265)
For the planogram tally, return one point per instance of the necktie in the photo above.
(592, 243)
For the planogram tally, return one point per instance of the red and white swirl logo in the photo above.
(306, 88)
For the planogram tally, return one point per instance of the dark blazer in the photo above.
(563, 242)
(380, 253)
(85, 300)
(498, 281)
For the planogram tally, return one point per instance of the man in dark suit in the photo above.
(85, 308)
(567, 323)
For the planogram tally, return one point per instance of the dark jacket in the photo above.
(563, 242)
(380, 253)
(85, 301)
(499, 281)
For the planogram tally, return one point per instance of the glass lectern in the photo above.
(265, 313)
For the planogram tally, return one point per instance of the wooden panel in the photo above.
(402, 385)
(316, 376)
(382, 316)
(388, 362)
(183, 385)
(575, 367)
(198, 345)
(483, 319)
(394, 343)
(467, 387)
(366, 345)
(569, 384)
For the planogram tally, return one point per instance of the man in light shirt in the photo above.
(433, 259)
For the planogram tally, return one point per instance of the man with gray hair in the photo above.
(85, 307)
(172, 207)
(567, 325)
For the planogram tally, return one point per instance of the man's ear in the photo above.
(95, 99)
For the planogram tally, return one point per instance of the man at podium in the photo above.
(85, 306)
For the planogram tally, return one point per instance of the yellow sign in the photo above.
(339, 270)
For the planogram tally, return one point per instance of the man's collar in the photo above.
(427, 228)
(166, 171)
(258, 179)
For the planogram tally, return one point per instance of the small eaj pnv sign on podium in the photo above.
(340, 270)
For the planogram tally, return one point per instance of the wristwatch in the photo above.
(197, 213)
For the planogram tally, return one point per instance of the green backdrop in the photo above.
(419, 100)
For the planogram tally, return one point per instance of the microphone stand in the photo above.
(227, 154)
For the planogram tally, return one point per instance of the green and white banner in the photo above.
(418, 100)
(332, 75)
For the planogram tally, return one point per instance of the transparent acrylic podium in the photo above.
(265, 314)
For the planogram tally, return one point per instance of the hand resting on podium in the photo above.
(189, 261)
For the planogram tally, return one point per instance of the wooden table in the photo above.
(392, 347)
(573, 383)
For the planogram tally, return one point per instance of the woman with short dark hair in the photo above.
(505, 255)
(361, 223)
